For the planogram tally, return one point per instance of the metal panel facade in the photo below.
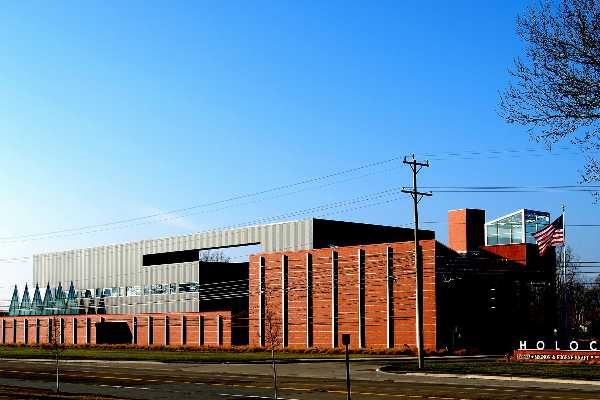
(120, 265)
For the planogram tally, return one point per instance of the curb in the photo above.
(494, 378)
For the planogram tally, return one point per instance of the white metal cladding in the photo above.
(120, 265)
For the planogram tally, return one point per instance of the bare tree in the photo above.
(214, 256)
(580, 297)
(55, 341)
(272, 331)
(555, 89)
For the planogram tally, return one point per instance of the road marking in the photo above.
(253, 396)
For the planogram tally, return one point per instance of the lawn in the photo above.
(163, 355)
(501, 367)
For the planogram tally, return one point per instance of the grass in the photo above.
(163, 355)
(502, 368)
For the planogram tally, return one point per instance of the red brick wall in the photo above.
(466, 229)
(321, 298)
(297, 300)
(210, 335)
(375, 294)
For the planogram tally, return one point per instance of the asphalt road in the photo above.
(147, 380)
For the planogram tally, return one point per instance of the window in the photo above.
(509, 229)
(188, 287)
(134, 291)
(159, 288)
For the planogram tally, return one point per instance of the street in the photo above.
(324, 380)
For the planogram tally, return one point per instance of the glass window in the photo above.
(173, 288)
(188, 287)
(492, 234)
(535, 221)
(134, 291)
(503, 233)
(159, 288)
(517, 234)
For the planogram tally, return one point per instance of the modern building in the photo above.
(314, 280)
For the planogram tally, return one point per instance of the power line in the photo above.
(440, 156)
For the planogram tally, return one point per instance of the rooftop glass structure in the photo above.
(516, 227)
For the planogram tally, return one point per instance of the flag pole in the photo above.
(564, 244)
(565, 295)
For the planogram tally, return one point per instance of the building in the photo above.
(314, 280)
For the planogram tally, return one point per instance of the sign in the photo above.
(553, 352)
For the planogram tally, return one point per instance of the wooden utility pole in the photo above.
(416, 166)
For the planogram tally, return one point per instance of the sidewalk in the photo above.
(382, 370)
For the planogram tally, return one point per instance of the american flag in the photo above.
(551, 235)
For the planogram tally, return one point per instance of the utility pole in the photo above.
(416, 166)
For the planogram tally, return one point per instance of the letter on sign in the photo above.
(523, 345)
(540, 345)
(574, 345)
(593, 345)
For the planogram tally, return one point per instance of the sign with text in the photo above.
(557, 355)
(553, 352)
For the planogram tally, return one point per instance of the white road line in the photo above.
(243, 396)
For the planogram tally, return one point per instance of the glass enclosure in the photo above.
(516, 227)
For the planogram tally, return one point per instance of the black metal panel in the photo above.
(113, 333)
(171, 257)
(329, 233)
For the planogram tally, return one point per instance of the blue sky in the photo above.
(119, 110)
